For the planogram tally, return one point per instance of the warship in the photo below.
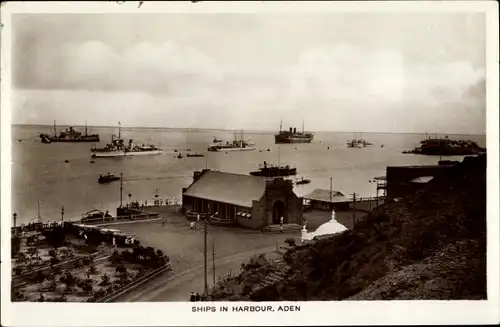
(236, 145)
(117, 148)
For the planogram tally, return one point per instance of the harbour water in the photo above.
(40, 173)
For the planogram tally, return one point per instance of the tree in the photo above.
(290, 242)
(55, 237)
(15, 245)
(21, 257)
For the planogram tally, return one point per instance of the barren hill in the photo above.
(429, 245)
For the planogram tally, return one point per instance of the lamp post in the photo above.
(15, 221)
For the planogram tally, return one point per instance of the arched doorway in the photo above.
(278, 212)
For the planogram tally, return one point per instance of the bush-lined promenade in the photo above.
(77, 263)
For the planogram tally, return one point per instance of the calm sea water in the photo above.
(39, 171)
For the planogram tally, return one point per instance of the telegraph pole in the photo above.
(330, 206)
(213, 258)
(205, 254)
(38, 209)
(121, 190)
(354, 208)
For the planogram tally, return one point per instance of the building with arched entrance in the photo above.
(244, 200)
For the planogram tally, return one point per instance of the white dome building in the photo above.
(330, 228)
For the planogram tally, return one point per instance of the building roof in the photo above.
(422, 179)
(324, 196)
(229, 188)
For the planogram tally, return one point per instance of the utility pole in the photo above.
(62, 214)
(330, 205)
(213, 258)
(354, 208)
(121, 190)
(205, 254)
(38, 210)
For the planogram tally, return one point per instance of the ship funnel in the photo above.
(294, 130)
(290, 129)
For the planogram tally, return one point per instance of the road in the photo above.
(175, 287)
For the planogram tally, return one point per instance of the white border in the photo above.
(340, 313)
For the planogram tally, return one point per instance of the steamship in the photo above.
(117, 148)
(292, 136)
(69, 135)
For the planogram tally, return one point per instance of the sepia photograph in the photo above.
(239, 156)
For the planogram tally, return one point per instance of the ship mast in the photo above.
(55, 131)
(281, 125)
(85, 128)
(302, 126)
(119, 131)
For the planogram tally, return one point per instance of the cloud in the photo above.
(336, 87)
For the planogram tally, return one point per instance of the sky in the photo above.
(371, 72)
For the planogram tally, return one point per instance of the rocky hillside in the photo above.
(429, 245)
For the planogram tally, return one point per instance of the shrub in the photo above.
(290, 242)
(105, 280)
(121, 269)
(116, 258)
(87, 287)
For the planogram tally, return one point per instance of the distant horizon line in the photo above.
(239, 130)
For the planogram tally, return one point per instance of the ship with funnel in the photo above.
(117, 148)
(293, 136)
(69, 135)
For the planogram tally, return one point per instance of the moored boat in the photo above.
(107, 178)
(195, 155)
(117, 148)
(302, 181)
(93, 214)
(69, 135)
(236, 145)
(267, 170)
(292, 136)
